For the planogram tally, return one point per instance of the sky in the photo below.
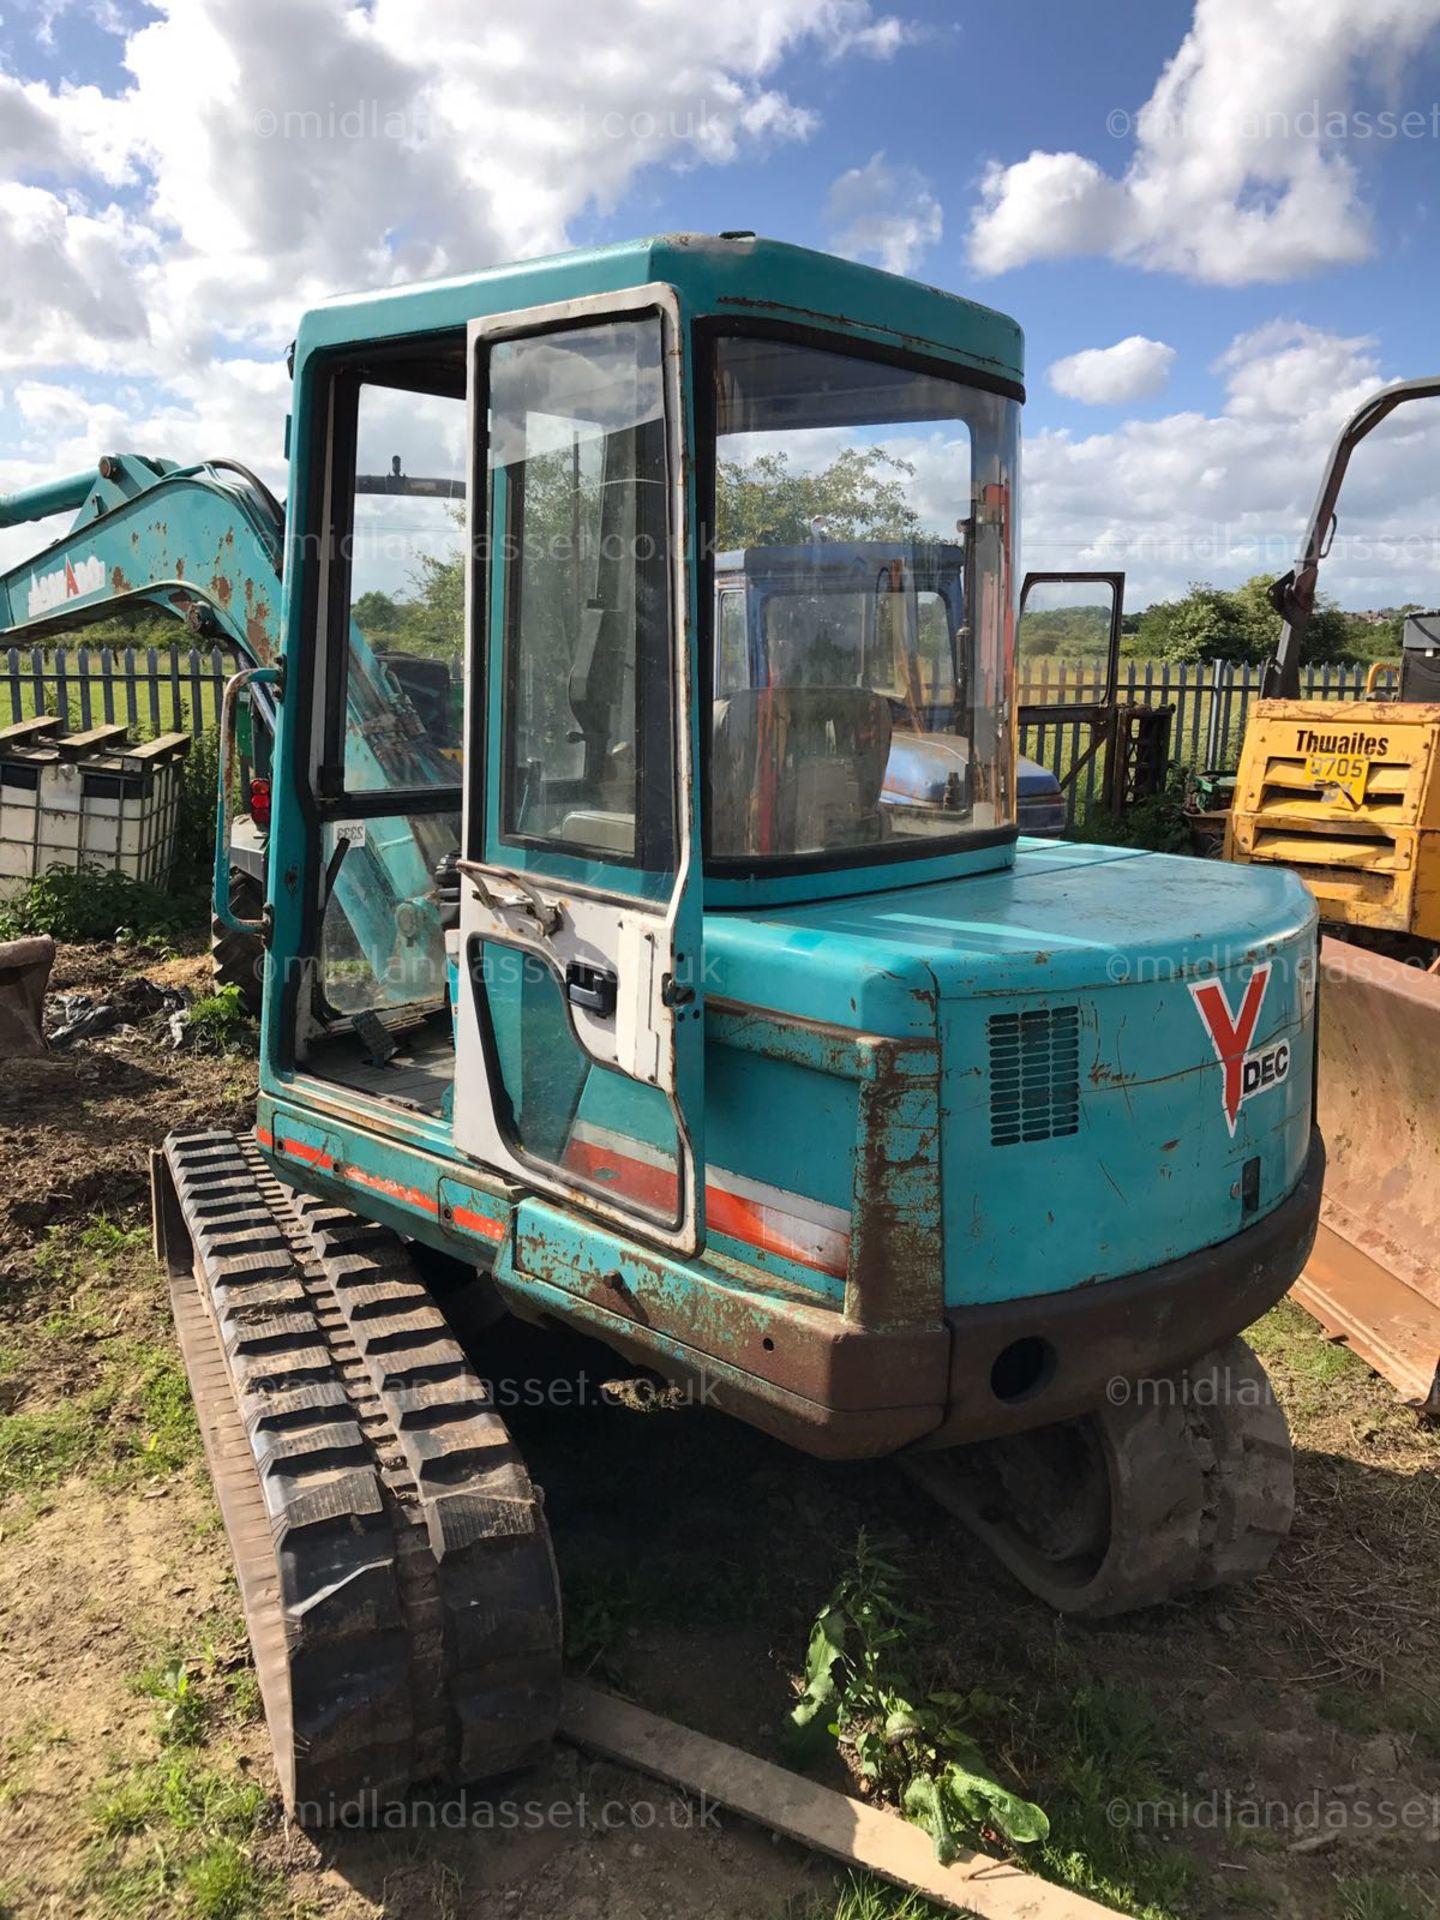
(1214, 221)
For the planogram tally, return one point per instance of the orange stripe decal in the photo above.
(752, 1221)
(480, 1223)
(464, 1217)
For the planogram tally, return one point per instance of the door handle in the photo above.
(546, 914)
(594, 988)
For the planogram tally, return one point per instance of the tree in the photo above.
(1238, 623)
(861, 495)
(378, 616)
(1204, 625)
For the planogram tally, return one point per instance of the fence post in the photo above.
(1212, 729)
(218, 675)
(132, 704)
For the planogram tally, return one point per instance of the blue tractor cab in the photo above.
(889, 615)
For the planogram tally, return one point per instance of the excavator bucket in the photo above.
(24, 975)
(1374, 1277)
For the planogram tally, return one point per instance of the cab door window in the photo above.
(580, 570)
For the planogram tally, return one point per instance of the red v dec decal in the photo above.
(1231, 1034)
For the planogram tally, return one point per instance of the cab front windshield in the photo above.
(862, 518)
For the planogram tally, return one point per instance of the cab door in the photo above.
(580, 1020)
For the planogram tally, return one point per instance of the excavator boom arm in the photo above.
(1293, 595)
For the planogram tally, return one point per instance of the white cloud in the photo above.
(1220, 496)
(1133, 369)
(883, 213)
(1243, 167)
(259, 155)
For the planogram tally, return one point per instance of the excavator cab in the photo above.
(557, 1028)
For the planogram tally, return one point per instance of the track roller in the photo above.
(393, 1557)
(1186, 1484)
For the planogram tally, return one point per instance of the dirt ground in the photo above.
(1272, 1750)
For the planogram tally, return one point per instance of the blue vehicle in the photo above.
(715, 1036)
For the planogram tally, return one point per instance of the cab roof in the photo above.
(740, 276)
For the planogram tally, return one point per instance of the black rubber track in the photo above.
(392, 1553)
(1181, 1485)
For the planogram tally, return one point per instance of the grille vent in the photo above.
(1034, 1075)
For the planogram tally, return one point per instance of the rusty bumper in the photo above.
(816, 1380)
(1028, 1363)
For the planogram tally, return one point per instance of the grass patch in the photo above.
(863, 1898)
(1106, 1770)
(178, 1833)
(122, 1407)
(1370, 1896)
(136, 1421)
(602, 1603)
(37, 1450)
(224, 1883)
(1288, 1335)
(1409, 1715)
(99, 1251)
(179, 1792)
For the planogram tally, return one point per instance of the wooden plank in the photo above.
(164, 746)
(79, 746)
(816, 1816)
(26, 733)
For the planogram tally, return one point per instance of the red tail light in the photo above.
(260, 803)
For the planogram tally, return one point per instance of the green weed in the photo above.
(1157, 824)
(219, 1024)
(924, 1756)
(92, 904)
(183, 1710)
